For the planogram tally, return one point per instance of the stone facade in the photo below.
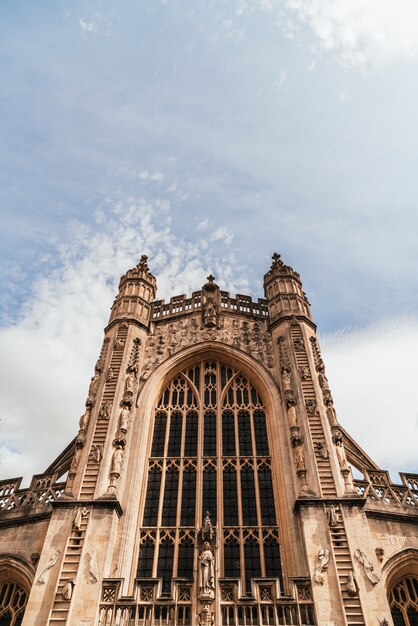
(210, 482)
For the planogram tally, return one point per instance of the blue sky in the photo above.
(208, 134)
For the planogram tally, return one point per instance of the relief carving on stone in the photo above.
(333, 515)
(105, 410)
(168, 339)
(351, 585)
(92, 567)
(321, 565)
(53, 559)
(80, 512)
(68, 588)
(367, 566)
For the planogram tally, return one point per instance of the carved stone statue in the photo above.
(291, 412)
(311, 406)
(119, 344)
(105, 409)
(93, 568)
(117, 460)
(206, 616)
(80, 512)
(85, 419)
(368, 567)
(110, 374)
(321, 565)
(286, 382)
(351, 586)
(207, 571)
(52, 561)
(94, 385)
(321, 449)
(97, 452)
(339, 449)
(76, 459)
(332, 417)
(299, 457)
(130, 382)
(207, 532)
(333, 515)
(123, 419)
(67, 590)
(209, 315)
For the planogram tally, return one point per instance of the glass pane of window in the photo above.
(228, 434)
(244, 434)
(153, 496)
(170, 498)
(249, 505)
(230, 497)
(188, 500)
(174, 441)
(209, 441)
(158, 439)
(190, 443)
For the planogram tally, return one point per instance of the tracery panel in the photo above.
(210, 452)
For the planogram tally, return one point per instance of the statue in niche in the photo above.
(123, 419)
(304, 372)
(211, 300)
(207, 570)
(311, 406)
(110, 375)
(117, 460)
(298, 344)
(85, 419)
(291, 411)
(332, 417)
(93, 568)
(94, 385)
(97, 452)
(76, 458)
(333, 515)
(368, 567)
(339, 449)
(207, 532)
(67, 591)
(299, 456)
(104, 412)
(321, 565)
(245, 333)
(286, 381)
(52, 561)
(119, 344)
(321, 449)
(351, 585)
(130, 382)
(80, 512)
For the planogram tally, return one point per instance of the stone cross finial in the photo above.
(211, 278)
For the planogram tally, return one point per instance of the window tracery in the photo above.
(403, 601)
(13, 599)
(210, 422)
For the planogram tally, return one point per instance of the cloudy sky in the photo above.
(208, 134)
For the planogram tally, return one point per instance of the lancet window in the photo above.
(210, 452)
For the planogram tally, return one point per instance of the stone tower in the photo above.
(210, 481)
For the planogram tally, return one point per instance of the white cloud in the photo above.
(156, 177)
(47, 358)
(222, 234)
(90, 27)
(372, 374)
(365, 33)
(203, 225)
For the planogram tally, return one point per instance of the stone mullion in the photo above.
(256, 486)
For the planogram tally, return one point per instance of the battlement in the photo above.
(180, 304)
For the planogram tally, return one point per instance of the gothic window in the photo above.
(403, 601)
(13, 599)
(210, 452)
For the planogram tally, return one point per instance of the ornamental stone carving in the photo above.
(367, 566)
(169, 338)
(321, 566)
(80, 512)
(206, 573)
(351, 585)
(53, 559)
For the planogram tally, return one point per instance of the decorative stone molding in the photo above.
(321, 566)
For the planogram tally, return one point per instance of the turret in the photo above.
(283, 289)
(137, 290)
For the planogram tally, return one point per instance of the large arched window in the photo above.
(403, 601)
(13, 599)
(210, 452)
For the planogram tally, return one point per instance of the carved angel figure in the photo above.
(52, 561)
(123, 419)
(321, 565)
(67, 590)
(333, 515)
(368, 567)
(93, 567)
(117, 460)
(80, 512)
(85, 419)
(351, 586)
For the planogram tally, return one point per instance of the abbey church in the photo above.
(210, 482)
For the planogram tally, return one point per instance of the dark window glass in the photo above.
(209, 493)
(146, 557)
(249, 508)
(153, 496)
(397, 617)
(228, 434)
(209, 442)
(232, 565)
(174, 441)
(260, 431)
(268, 513)
(158, 439)
(185, 559)
(188, 500)
(230, 497)
(244, 434)
(272, 557)
(190, 444)
(165, 563)
(170, 498)
(252, 562)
